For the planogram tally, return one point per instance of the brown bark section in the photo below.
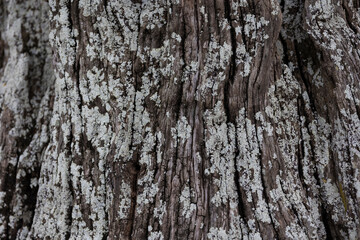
(186, 119)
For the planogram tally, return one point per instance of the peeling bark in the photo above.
(184, 119)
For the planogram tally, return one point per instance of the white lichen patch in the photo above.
(218, 234)
(189, 70)
(276, 7)
(294, 231)
(159, 211)
(320, 130)
(93, 49)
(154, 235)
(248, 164)
(176, 36)
(248, 160)
(232, 234)
(286, 118)
(220, 148)
(214, 71)
(350, 94)
(264, 126)
(152, 15)
(252, 24)
(283, 110)
(185, 199)
(329, 27)
(254, 30)
(146, 197)
(88, 7)
(182, 131)
(125, 201)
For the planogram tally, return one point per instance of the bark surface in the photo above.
(183, 119)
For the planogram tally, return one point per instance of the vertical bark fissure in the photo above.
(323, 213)
(252, 203)
(193, 155)
(304, 79)
(134, 190)
(12, 191)
(134, 181)
(263, 183)
(348, 18)
(229, 114)
(135, 153)
(300, 149)
(232, 70)
(71, 189)
(285, 58)
(69, 150)
(328, 227)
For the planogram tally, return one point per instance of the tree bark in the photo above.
(183, 119)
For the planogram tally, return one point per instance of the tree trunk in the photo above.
(183, 119)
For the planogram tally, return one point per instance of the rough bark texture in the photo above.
(183, 119)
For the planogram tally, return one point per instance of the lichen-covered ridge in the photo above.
(182, 119)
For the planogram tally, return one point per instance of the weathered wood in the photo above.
(183, 119)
